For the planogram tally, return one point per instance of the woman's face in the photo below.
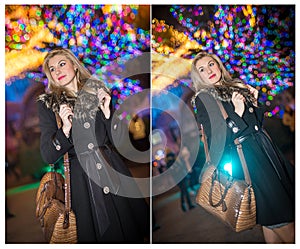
(62, 71)
(209, 70)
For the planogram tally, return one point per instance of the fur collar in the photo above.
(224, 93)
(85, 105)
(54, 100)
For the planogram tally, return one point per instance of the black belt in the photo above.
(243, 138)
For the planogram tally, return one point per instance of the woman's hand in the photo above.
(238, 102)
(104, 102)
(66, 115)
(254, 92)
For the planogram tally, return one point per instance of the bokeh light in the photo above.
(104, 37)
(256, 43)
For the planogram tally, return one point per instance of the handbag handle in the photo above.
(67, 177)
(238, 146)
(223, 195)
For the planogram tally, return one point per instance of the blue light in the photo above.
(16, 90)
(228, 167)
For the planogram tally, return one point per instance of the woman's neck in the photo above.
(72, 87)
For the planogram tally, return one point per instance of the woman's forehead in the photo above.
(57, 58)
(204, 61)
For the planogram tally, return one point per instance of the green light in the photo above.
(23, 188)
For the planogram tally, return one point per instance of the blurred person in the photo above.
(183, 184)
(288, 118)
(272, 175)
(83, 103)
(12, 150)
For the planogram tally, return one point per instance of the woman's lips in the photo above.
(61, 77)
(213, 75)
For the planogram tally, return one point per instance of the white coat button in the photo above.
(106, 190)
(90, 146)
(86, 125)
(251, 109)
(256, 127)
(235, 129)
(115, 126)
(98, 165)
(57, 147)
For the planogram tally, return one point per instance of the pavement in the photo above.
(23, 227)
(176, 226)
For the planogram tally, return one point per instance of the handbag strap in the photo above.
(243, 161)
(66, 172)
(67, 183)
(204, 140)
(238, 146)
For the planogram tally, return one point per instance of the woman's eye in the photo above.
(51, 69)
(62, 64)
(201, 70)
(211, 64)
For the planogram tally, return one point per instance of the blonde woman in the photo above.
(271, 174)
(83, 104)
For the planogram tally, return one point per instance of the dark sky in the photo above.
(162, 12)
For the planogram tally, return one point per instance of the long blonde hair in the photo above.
(226, 78)
(82, 73)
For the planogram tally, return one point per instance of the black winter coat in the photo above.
(271, 174)
(102, 215)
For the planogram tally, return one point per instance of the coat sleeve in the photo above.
(53, 142)
(202, 117)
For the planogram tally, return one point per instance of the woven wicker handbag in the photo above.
(53, 206)
(231, 200)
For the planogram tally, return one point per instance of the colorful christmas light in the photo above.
(256, 43)
(103, 37)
